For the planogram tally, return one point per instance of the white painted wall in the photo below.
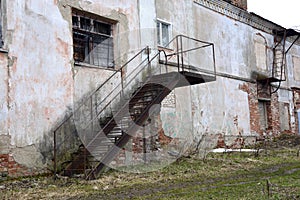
(43, 80)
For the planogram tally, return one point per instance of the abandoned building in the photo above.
(128, 81)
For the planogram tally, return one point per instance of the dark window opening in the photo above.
(92, 41)
(264, 117)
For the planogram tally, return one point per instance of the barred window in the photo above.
(92, 40)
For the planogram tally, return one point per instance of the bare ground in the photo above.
(274, 174)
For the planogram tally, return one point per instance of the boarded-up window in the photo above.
(92, 40)
(296, 63)
(284, 116)
(260, 52)
(263, 115)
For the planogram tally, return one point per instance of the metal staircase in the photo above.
(110, 116)
(279, 54)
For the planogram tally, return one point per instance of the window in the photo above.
(163, 33)
(296, 65)
(92, 40)
(263, 114)
(260, 52)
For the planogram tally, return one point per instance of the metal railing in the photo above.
(101, 104)
(186, 52)
(67, 130)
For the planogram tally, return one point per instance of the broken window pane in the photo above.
(75, 21)
(102, 28)
(92, 41)
(85, 23)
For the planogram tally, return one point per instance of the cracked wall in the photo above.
(40, 82)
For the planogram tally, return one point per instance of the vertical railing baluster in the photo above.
(214, 59)
(144, 145)
(181, 49)
(54, 155)
(177, 53)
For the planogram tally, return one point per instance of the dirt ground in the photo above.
(272, 174)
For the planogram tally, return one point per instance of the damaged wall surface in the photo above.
(42, 83)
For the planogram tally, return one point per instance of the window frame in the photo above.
(159, 32)
(91, 39)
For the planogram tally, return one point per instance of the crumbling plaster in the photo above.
(4, 91)
(41, 53)
(215, 106)
(235, 55)
(41, 82)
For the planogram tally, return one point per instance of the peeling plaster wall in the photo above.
(234, 52)
(43, 84)
(41, 81)
(218, 107)
(221, 106)
(41, 76)
(4, 94)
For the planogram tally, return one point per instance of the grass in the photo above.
(273, 175)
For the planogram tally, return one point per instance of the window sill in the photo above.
(3, 50)
(86, 65)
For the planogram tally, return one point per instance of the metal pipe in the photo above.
(182, 64)
(177, 43)
(214, 59)
(144, 145)
(292, 44)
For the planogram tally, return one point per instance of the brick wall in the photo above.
(254, 92)
(275, 114)
(10, 168)
(251, 90)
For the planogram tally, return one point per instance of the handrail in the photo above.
(113, 99)
(82, 103)
(130, 81)
(90, 95)
(179, 52)
(184, 36)
(121, 68)
(108, 103)
(118, 90)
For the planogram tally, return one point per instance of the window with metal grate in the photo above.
(92, 41)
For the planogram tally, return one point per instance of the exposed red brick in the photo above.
(274, 115)
(239, 3)
(13, 169)
(251, 90)
(221, 141)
